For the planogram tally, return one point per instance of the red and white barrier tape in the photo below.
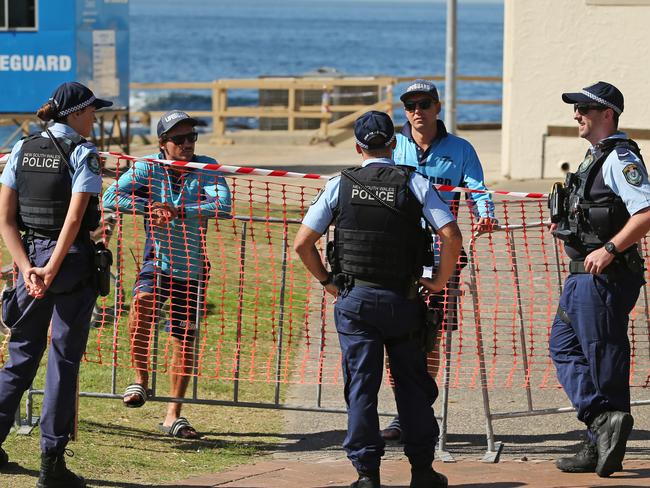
(224, 168)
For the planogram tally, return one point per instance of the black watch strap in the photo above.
(610, 247)
(327, 281)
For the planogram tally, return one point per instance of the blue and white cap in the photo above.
(72, 96)
(421, 86)
(601, 93)
(374, 130)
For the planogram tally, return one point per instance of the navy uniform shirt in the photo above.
(321, 213)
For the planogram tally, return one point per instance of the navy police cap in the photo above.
(421, 86)
(374, 130)
(72, 96)
(601, 93)
(171, 118)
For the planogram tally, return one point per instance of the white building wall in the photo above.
(555, 46)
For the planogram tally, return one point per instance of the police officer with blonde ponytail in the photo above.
(48, 205)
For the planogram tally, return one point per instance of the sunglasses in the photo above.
(181, 138)
(422, 104)
(585, 108)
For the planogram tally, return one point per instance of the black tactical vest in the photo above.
(44, 188)
(371, 242)
(594, 213)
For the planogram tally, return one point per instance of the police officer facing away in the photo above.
(49, 193)
(600, 213)
(446, 159)
(377, 259)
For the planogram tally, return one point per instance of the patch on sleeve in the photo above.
(633, 174)
(317, 196)
(92, 161)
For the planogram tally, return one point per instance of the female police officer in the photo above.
(49, 192)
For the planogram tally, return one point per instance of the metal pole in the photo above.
(240, 310)
(522, 326)
(450, 67)
(278, 366)
(197, 336)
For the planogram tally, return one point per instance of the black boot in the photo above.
(4, 459)
(612, 429)
(55, 474)
(584, 461)
(427, 478)
(367, 479)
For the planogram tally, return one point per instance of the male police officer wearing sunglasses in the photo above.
(600, 213)
(177, 204)
(377, 259)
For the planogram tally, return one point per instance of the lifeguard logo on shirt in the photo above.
(633, 174)
(40, 162)
(388, 193)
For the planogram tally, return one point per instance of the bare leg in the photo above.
(180, 374)
(141, 319)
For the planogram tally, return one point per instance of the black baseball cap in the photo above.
(171, 118)
(421, 86)
(72, 96)
(374, 130)
(602, 93)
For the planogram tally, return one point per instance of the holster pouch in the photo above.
(103, 259)
(432, 323)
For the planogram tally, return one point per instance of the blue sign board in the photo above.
(66, 40)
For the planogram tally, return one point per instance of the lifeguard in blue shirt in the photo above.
(442, 157)
(177, 204)
(445, 159)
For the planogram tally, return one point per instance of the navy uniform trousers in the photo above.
(590, 346)
(68, 304)
(365, 318)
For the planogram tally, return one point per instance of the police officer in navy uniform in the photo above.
(49, 195)
(601, 212)
(377, 258)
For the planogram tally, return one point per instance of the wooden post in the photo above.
(291, 121)
(389, 97)
(218, 124)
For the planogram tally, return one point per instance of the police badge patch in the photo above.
(93, 162)
(633, 175)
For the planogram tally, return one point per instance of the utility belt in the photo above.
(102, 257)
(345, 281)
(628, 262)
(42, 234)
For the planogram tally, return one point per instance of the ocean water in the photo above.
(203, 40)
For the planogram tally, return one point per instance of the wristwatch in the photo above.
(327, 280)
(611, 248)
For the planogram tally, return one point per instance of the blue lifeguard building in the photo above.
(46, 42)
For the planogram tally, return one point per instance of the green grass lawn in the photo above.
(122, 447)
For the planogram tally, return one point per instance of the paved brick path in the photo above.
(464, 474)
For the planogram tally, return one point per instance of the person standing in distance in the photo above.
(177, 204)
(445, 159)
(377, 265)
(600, 214)
(49, 195)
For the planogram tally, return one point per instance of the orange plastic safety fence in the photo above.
(222, 295)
